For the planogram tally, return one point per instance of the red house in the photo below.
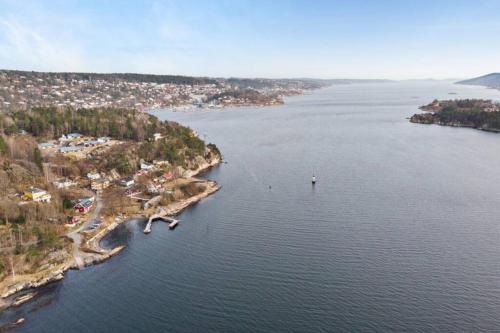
(83, 207)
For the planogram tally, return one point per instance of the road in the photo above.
(77, 237)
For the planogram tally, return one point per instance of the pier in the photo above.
(172, 223)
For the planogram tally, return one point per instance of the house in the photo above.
(63, 183)
(93, 175)
(90, 143)
(73, 220)
(46, 145)
(113, 175)
(153, 189)
(103, 139)
(99, 184)
(83, 206)
(37, 195)
(168, 175)
(70, 149)
(72, 136)
(157, 136)
(160, 163)
(127, 182)
(146, 166)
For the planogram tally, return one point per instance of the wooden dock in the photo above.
(172, 223)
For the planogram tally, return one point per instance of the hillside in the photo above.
(22, 90)
(491, 80)
(53, 158)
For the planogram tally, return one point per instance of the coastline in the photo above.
(90, 251)
(428, 119)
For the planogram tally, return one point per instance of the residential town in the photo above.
(22, 90)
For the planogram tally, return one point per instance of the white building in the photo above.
(93, 175)
(63, 183)
(157, 136)
(37, 195)
(146, 166)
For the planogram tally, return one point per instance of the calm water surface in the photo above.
(401, 232)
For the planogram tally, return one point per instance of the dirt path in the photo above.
(77, 237)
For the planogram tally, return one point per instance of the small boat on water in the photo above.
(313, 180)
(173, 224)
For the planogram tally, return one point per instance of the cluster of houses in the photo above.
(155, 186)
(20, 90)
(101, 181)
(73, 142)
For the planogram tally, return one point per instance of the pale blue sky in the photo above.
(324, 39)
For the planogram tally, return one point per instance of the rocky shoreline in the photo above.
(431, 119)
(92, 253)
(479, 114)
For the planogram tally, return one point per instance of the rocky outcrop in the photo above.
(51, 277)
(203, 165)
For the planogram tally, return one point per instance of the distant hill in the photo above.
(328, 82)
(489, 80)
(111, 77)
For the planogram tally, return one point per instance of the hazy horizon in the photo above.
(254, 39)
(248, 77)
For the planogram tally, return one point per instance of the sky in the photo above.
(253, 38)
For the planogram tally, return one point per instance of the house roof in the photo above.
(35, 190)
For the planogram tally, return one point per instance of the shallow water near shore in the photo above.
(401, 232)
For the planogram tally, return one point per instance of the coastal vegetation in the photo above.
(475, 113)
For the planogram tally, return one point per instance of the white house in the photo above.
(103, 139)
(70, 136)
(157, 136)
(146, 166)
(127, 182)
(70, 149)
(93, 175)
(46, 145)
(63, 183)
(37, 195)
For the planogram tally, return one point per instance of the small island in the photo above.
(70, 176)
(474, 113)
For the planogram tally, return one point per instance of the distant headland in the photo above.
(475, 113)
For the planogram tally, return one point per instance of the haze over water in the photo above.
(401, 232)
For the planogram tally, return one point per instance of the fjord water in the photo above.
(401, 232)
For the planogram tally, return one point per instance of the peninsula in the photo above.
(475, 113)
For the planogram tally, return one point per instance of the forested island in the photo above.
(68, 176)
(474, 113)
